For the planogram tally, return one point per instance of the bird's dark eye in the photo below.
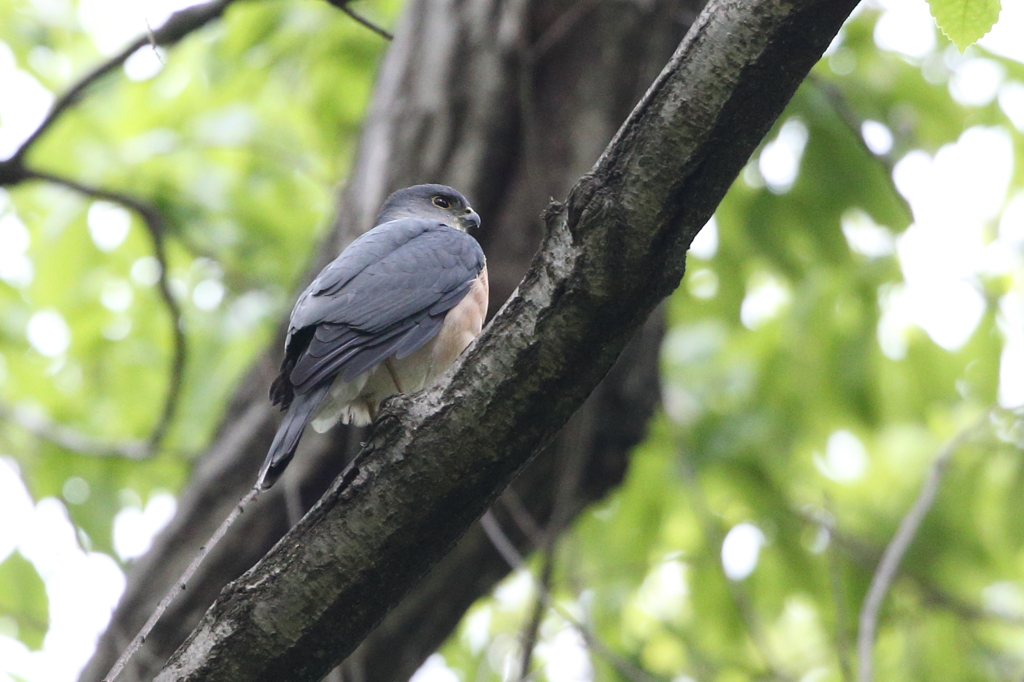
(441, 202)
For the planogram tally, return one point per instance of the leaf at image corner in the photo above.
(965, 21)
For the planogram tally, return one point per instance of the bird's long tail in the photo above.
(289, 432)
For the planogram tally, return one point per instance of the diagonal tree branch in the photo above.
(560, 28)
(344, 6)
(179, 25)
(483, 153)
(433, 465)
(837, 100)
(68, 438)
(897, 547)
(531, 631)
(154, 618)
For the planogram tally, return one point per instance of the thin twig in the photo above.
(844, 642)
(967, 611)
(714, 537)
(156, 227)
(532, 629)
(853, 121)
(577, 445)
(152, 42)
(180, 585)
(530, 54)
(897, 547)
(501, 542)
(65, 101)
(70, 439)
(180, 24)
(515, 560)
(520, 514)
(343, 5)
(559, 28)
(866, 557)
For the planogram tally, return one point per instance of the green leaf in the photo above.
(23, 599)
(965, 21)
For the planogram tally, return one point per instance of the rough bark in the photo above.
(435, 462)
(532, 94)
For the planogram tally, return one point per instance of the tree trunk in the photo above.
(510, 102)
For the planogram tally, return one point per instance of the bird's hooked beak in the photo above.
(470, 220)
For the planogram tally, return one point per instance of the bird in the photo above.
(389, 315)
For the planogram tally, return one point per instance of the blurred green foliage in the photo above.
(240, 140)
(751, 411)
(23, 595)
(785, 423)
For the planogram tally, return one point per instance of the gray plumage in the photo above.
(383, 298)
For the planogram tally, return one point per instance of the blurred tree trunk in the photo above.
(510, 102)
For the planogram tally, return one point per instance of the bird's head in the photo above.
(430, 201)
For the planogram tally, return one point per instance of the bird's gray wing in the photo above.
(386, 294)
(369, 248)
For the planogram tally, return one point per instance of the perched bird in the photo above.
(389, 315)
